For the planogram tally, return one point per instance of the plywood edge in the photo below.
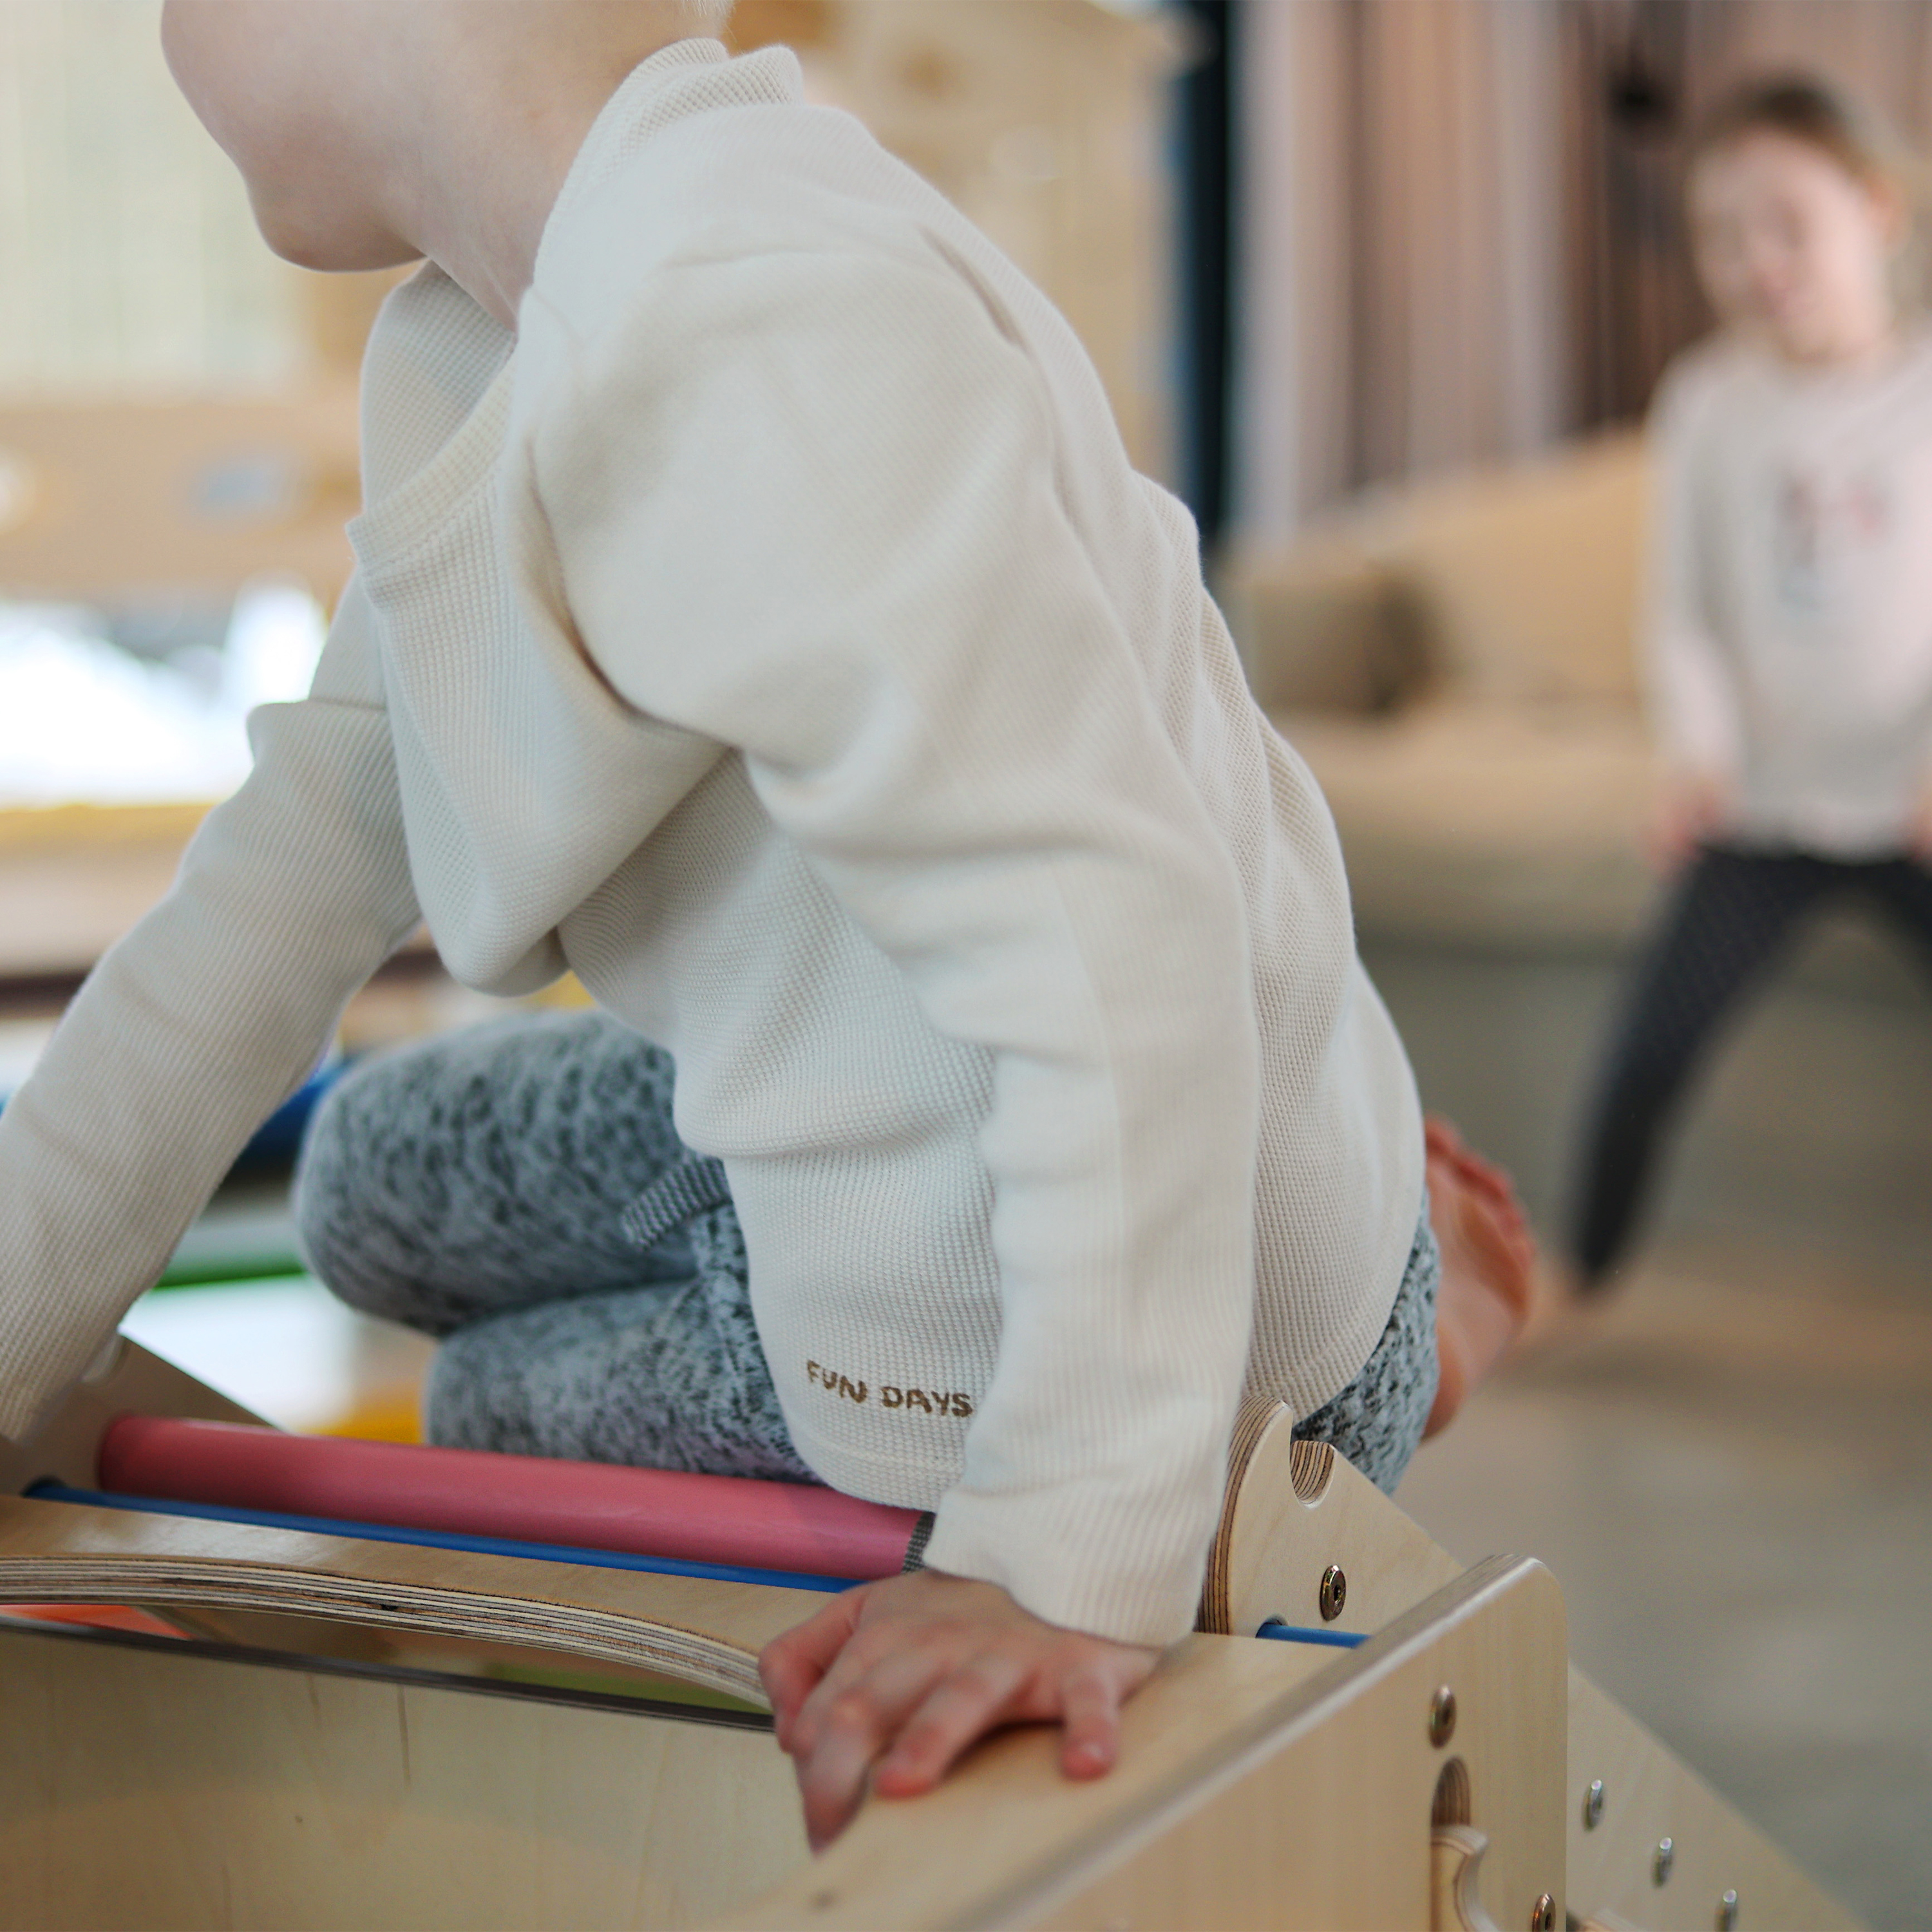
(1298, 1513)
(699, 1631)
(1253, 1421)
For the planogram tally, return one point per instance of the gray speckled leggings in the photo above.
(483, 1187)
(518, 1190)
(1377, 1421)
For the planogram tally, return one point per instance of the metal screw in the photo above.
(1727, 1912)
(1593, 1805)
(1442, 1716)
(1661, 1860)
(1543, 1914)
(1334, 1592)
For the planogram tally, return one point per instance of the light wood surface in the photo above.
(1258, 1785)
(1456, 1879)
(236, 1794)
(140, 1790)
(1295, 1511)
(1649, 1796)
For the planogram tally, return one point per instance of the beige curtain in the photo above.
(1402, 300)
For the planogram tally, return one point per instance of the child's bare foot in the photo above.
(1489, 1267)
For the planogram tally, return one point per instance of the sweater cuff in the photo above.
(1127, 1568)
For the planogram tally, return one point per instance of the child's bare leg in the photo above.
(1489, 1267)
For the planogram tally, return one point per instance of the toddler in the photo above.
(1790, 626)
(755, 613)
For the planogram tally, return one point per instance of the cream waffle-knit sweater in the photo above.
(773, 631)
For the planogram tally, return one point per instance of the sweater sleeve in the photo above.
(199, 1022)
(808, 505)
(1693, 698)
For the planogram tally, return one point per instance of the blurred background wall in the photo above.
(1456, 223)
(128, 261)
(126, 256)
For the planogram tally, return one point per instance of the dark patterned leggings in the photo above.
(519, 1191)
(1732, 913)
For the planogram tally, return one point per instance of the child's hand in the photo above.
(1694, 806)
(896, 1679)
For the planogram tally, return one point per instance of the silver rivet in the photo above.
(1661, 1860)
(1593, 1805)
(1442, 1716)
(1727, 1912)
(1543, 1914)
(1333, 1593)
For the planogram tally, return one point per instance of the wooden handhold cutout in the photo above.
(1293, 1511)
(1455, 1870)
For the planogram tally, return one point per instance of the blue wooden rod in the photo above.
(1301, 1633)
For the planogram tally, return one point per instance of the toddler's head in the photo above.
(327, 106)
(1800, 205)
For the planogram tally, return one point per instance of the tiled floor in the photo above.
(1731, 1475)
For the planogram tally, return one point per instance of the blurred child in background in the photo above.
(1789, 645)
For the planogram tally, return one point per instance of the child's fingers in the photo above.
(841, 1734)
(877, 1694)
(869, 1699)
(1090, 1724)
(960, 1710)
(791, 1667)
(832, 1780)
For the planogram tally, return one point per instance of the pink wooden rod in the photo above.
(726, 1519)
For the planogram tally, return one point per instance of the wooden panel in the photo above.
(139, 1789)
(1326, 1824)
(1297, 1510)
(1255, 1777)
(1648, 1796)
(1258, 1785)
